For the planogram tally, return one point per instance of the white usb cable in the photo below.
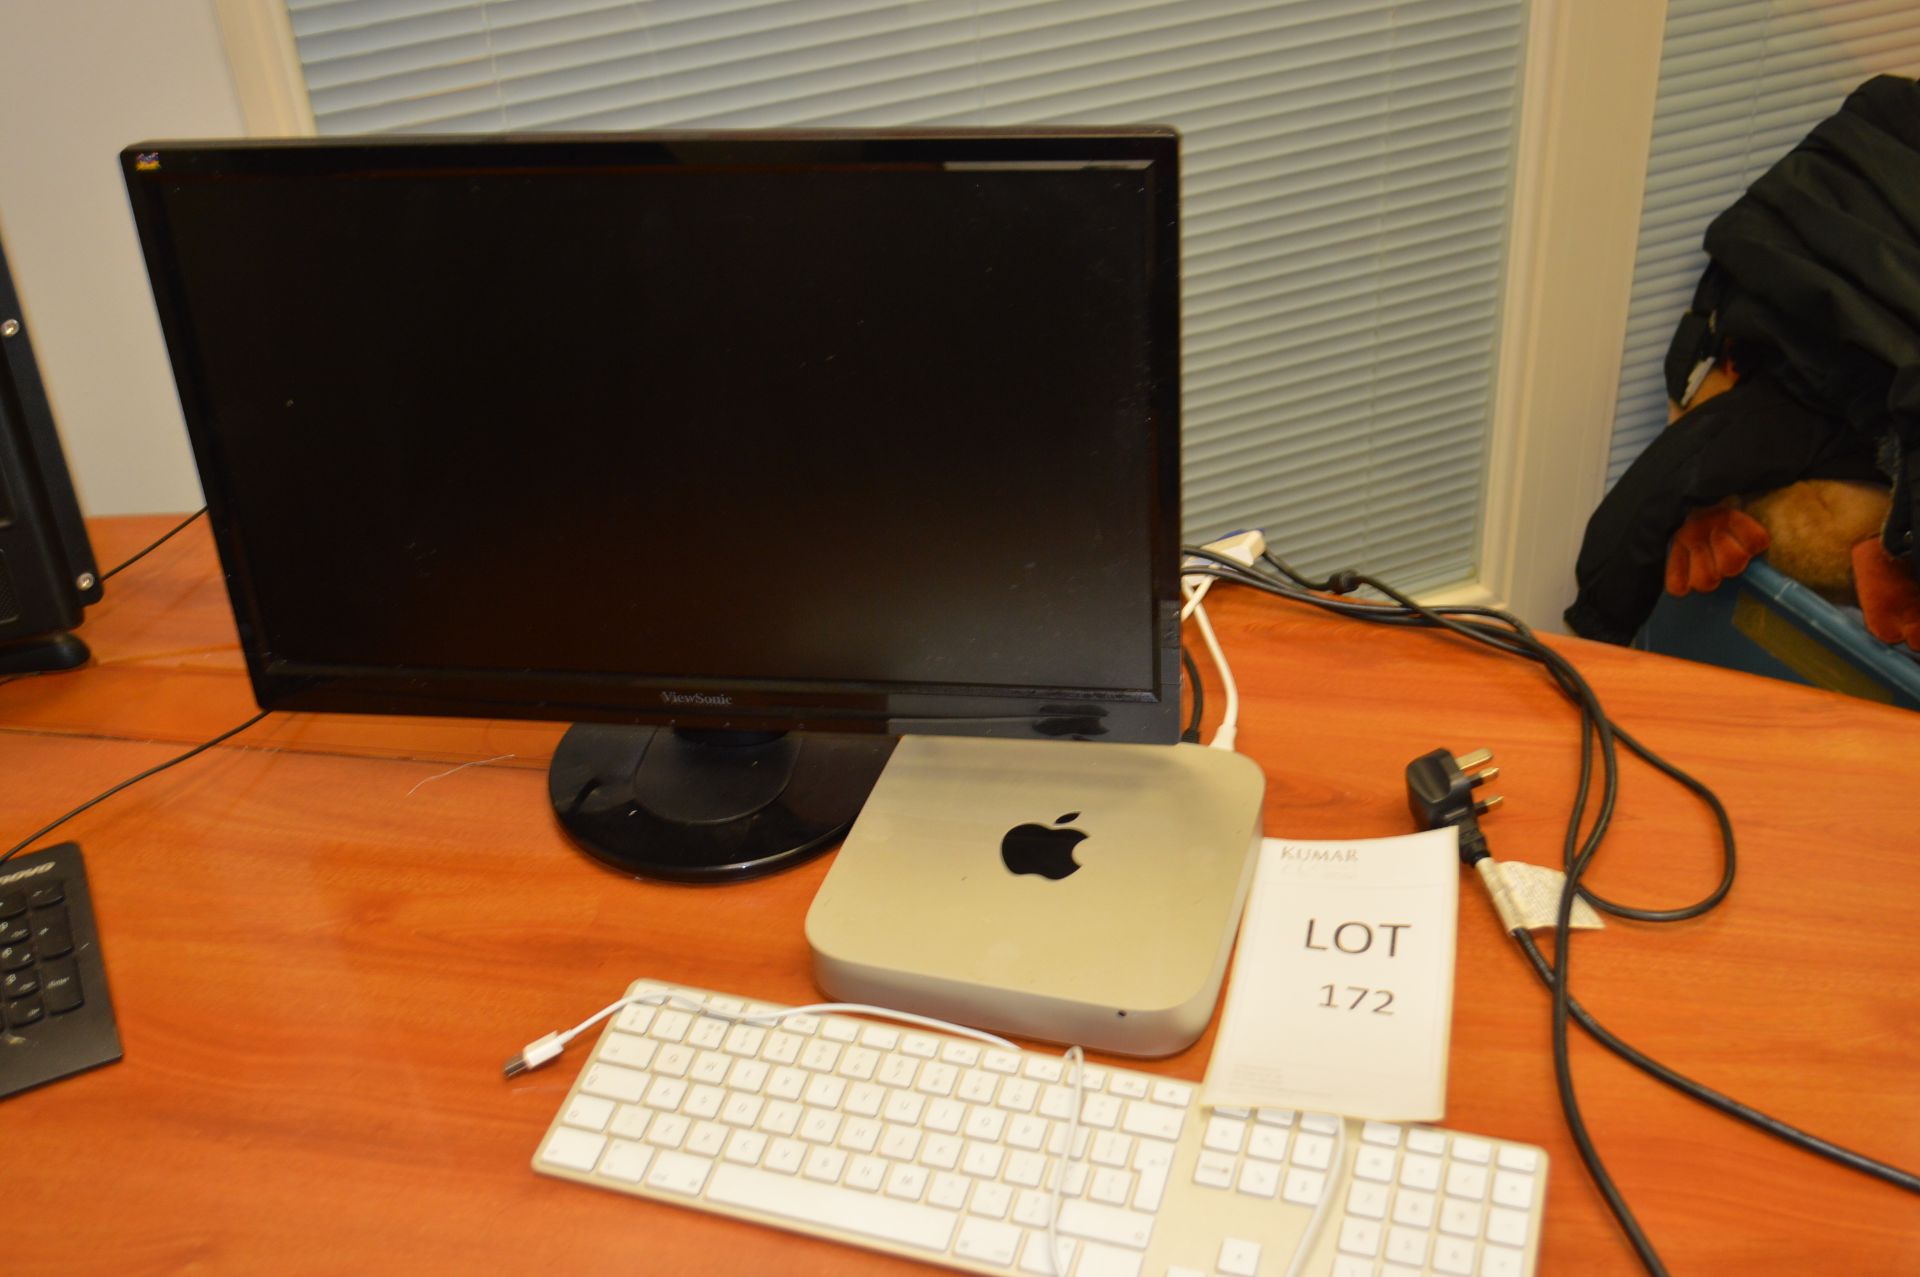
(1243, 548)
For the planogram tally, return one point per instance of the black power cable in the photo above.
(1504, 632)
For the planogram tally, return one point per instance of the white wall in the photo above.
(79, 79)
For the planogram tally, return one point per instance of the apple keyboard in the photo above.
(940, 1148)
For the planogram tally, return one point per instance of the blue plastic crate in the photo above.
(1765, 623)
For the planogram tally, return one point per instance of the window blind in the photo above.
(1741, 81)
(1345, 188)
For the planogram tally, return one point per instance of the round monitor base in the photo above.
(709, 806)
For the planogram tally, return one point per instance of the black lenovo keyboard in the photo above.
(55, 1017)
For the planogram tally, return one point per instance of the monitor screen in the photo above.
(860, 432)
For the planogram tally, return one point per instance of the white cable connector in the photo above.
(1244, 548)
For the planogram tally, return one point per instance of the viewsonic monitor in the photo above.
(47, 572)
(745, 453)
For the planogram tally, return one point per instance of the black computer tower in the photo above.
(47, 572)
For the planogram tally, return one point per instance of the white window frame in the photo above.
(1586, 121)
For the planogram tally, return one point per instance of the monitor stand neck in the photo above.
(709, 806)
(48, 652)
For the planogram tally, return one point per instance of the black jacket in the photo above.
(1814, 290)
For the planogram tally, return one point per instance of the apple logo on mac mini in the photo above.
(1046, 850)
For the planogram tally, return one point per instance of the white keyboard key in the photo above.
(670, 1025)
(1224, 1134)
(1466, 1180)
(1374, 1164)
(860, 1134)
(964, 1054)
(1001, 1062)
(744, 1039)
(984, 1124)
(936, 1078)
(703, 1101)
(1367, 1201)
(1385, 1134)
(782, 1047)
(1512, 1189)
(678, 1172)
(880, 1037)
(710, 1067)
(990, 1201)
(1274, 1117)
(1155, 1121)
(864, 1099)
(942, 1152)
(824, 1165)
(1424, 1139)
(1360, 1237)
(587, 1112)
(1042, 1068)
(785, 1155)
(1105, 1261)
(1454, 1256)
(1315, 1152)
(780, 1118)
(820, 1126)
(630, 1121)
(1019, 1095)
(977, 1086)
(1152, 1189)
(864, 1214)
(982, 1160)
(1413, 1208)
(858, 1063)
(865, 1174)
(987, 1241)
(1034, 1258)
(1420, 1172)
(1268, 1143)
(634, 1019)
(1215, 1170)
(906, 1182)
(1319, 1123)
(1515, 1158)
(1128, 1086)
(904, 1106)
(1460, 1217)
(1114, 1225)
(706, 1139)
(1407, 1246)
(1111, 1186)
(1468, 1149)
(668, 1130)
(666, 1093)
(920, 1046)
(629, 1050)
(820, 1055)
(1508, 1227)
(1238, 1257)
(1304, 1187)
(746, 1148)
(1500, 1261)
(707, 1033)
(838, 1030)
(949, 1190)
(626, 1160)
(614, 1082)
(944, 1116)
(575, 1150)
(1168, 1091)
(1260, 1179)
(1352, 1266)
(1100, 1112)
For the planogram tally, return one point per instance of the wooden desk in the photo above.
(323, 943)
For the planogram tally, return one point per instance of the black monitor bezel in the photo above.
(1148, 714)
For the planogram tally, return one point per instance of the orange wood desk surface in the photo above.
(322, 946)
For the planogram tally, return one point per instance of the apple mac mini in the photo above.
(1061, 890)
